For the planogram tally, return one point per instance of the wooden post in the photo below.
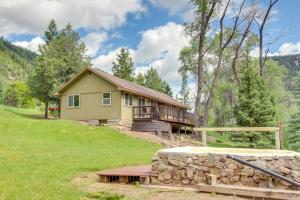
(277, 139)
(203, 137)
(281, 134)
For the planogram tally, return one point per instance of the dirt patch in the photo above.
(89, 183)
(176, 140)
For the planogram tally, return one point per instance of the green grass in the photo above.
(223, 141)
(39, 158)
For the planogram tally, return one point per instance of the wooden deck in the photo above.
(163, 113)
(130, 174)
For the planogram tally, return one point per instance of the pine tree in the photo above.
(123, 67)
(292, 132)
(153, 80)
(140, 79)
(166, 88)
(51, 32)
(255, 107)
(62, 57)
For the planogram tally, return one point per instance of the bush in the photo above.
(2, 92)
(18, 94)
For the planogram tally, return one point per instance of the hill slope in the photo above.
(39, 157)
(15, 62)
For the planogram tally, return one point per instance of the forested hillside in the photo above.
(16, 62)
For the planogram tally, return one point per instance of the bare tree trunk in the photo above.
(262, 55)
(205, 19)
(46, 110)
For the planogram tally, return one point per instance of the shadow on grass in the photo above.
(30, 116)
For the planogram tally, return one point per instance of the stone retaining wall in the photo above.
(178, 169)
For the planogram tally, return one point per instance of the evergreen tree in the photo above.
(292, 135)
(123, 68)
(62, 57)
(166, 88)
(152, 80)
(140, 79)
(255, 107)
(51, 32)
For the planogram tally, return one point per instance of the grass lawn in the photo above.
(38, 157)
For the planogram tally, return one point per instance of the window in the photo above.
(106, 98)
(141, 101)
(128, 99)
(73, 101)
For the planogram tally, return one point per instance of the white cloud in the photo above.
(159, 48)
(32, 45)
(172, 5)
(104, 62)
(32, 16)
(93, 41)
(289, 48)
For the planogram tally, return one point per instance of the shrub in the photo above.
(18, 94)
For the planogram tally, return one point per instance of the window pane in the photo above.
(76, 100)
(130, 100)
(106, 95)
(106, 101)
(70, 101)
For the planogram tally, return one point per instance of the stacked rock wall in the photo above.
(179, 169)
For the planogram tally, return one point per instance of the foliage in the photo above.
(52, 152)
(2, 91)
(140, 79)
(152, 80)
(18, 94)
(60, 59)
(255, 107)
(51, 32)
(123, 68)
(292, 131)
(16, 63)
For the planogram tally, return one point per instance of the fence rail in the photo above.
(276, 130)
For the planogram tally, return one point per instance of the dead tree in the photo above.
(223, 44)
(261, 25)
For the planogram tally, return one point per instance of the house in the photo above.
(93, 94)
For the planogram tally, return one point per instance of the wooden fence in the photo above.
(276, 130)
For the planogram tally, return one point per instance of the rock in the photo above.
(226, 172)
(185, 181)
(225, 180)
(161, 167)
(189, 161)
(219, 165)
(160, 177)
(167, 175)
(247, 171)
(231, 165)
(174, 162)
(208, 164)
(284, 170)
(234, 178)
(190, 173)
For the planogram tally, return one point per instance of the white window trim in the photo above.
(73, 101)
(125, 99)
(109, 99)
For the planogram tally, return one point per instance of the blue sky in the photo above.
(153, 30)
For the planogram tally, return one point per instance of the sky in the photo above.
(152, 30)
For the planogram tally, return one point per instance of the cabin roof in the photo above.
(124, 85)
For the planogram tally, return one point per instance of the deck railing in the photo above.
(162, 112)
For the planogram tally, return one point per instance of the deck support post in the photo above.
(203, 138)
(185, 129)
(277, 139)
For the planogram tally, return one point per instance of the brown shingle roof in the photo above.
(128, 86)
